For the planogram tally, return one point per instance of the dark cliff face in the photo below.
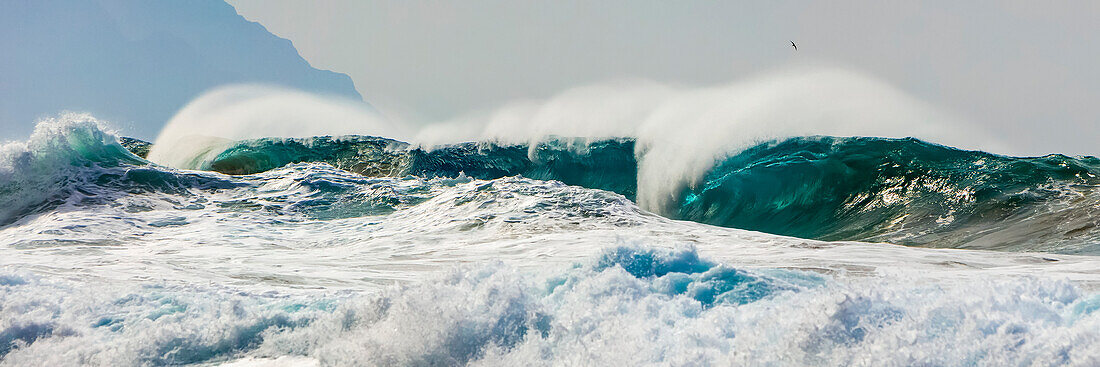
(135, 63)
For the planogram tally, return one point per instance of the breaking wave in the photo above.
(903, 191)
(357, 250)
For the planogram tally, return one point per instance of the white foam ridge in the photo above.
(586, 314)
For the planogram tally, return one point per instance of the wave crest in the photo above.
(35, 175)
(903, 191)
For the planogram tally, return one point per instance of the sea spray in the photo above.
(680, 133)
(223, 115)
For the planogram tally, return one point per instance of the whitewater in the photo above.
(554, 240)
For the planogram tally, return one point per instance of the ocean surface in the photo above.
(360, 250)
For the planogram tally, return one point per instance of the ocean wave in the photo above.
(632, 305)
(602, 164)
(903, 191)
(364, 251)
(42, 173)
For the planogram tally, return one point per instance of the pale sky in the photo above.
(1025, 70)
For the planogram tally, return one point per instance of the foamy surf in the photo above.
(109, 259)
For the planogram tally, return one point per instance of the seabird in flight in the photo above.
(794, 45)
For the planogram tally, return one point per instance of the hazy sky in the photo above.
(1025, 69)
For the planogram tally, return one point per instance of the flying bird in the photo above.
(794, 45)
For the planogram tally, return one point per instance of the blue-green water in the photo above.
(368, 251)
(903, 191)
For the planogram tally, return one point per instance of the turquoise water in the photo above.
(903, 191)
(368, 251)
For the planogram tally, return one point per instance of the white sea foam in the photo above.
(312, 265)
(588, 314)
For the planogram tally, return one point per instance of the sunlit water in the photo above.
(106, 259)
